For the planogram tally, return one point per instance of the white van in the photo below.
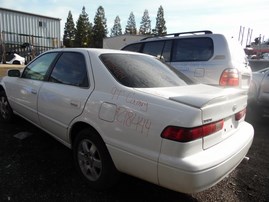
(202, 56)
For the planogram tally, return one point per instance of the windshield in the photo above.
(139, 71)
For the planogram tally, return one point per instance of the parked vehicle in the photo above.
(201, 55)
(14, 58)
(259, 92)
(129, 112)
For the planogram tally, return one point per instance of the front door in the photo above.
(23, 91)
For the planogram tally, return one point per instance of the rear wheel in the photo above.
(93, 161)
(6, 113)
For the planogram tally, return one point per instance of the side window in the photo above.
(133, 47)
(167, 51)
(39, 67)
(70, 69)
(154, 48)
(192, 49)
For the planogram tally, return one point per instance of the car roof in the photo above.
(97, 51)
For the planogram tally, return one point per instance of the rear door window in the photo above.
(160, 49)
(154, 48)
(192, 49)
(70, 69)
(133, 47)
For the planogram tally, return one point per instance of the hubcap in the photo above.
(89, 160)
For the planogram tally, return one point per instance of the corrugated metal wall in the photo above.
(18, 28)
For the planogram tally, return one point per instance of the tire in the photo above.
(6, 112)
(93, 161)
(16, 62)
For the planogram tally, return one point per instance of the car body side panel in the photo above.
(56, 108)
(22, 95)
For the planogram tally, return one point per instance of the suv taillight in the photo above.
(229, 77)
(180, 134)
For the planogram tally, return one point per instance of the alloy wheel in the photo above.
(89, 160)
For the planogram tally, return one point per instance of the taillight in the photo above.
(240, 115)
(229, 77)
(188, 134)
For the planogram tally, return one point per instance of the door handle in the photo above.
(33, 91)
(75, 103)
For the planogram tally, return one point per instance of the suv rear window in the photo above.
(192, 49)
(138, 71)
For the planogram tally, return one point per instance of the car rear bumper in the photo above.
(208, 167)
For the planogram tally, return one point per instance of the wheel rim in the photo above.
(4, 108)
(89, 160)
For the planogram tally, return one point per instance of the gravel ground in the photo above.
(38, 168)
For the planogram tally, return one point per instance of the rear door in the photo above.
(63, 97)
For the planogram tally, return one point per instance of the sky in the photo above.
(225, 17)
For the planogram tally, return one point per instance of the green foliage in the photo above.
(83, 36)
(116, 30)
(69, 31)
(100, 28)
(131, 25)
(145, 25)
(160, 28)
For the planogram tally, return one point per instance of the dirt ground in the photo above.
(38, 168)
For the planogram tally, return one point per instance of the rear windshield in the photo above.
(192, 49)
(140, 71)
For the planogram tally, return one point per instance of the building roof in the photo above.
(26, 13)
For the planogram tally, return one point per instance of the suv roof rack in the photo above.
(179, 33)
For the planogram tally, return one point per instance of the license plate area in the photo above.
(229, 127)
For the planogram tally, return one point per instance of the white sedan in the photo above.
(128, 112)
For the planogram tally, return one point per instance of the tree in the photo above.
(160, 28)
(99, 28)
(69, 31)
(116, 29)
(145, 25)
(83, 30)
(131, 25)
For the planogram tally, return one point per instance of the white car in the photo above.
(129, 112)
(16, 59)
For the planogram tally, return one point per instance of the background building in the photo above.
(117, 42)
(27, 34)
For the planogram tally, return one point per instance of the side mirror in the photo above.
(14, 73)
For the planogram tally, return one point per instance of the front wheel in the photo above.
(93, 161)
(6, 113)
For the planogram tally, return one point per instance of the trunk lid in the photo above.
(214, 102)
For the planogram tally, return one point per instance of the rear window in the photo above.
(140, 71)
(192, 49)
